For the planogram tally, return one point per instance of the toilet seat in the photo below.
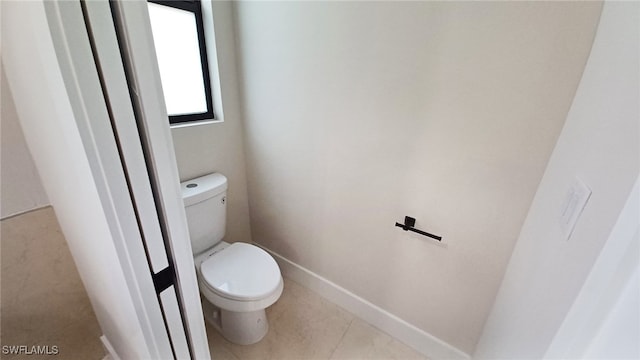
(241, 272)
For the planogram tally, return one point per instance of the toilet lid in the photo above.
(241, 271)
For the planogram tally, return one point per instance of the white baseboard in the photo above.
(418, 339)
(111, 352)
(22, 212)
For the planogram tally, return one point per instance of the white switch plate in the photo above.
(577, 197)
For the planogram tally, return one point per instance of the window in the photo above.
(178, 35)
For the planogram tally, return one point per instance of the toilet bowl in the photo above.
(237, 281)
(240, 280)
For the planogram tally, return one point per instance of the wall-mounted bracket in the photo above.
(409, 224)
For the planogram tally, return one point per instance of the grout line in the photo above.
(25, 212)
(342, 337)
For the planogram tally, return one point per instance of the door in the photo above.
(126, 113)
(125, 56)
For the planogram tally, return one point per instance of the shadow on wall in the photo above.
(21, 186)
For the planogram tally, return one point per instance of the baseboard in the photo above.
(421, 341)
(111, 352)
(22, 212)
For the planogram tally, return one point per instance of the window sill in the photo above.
(195, 123)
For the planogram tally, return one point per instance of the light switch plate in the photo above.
(577, 197)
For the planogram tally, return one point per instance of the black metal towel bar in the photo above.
(409, 222)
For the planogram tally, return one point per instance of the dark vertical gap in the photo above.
(122, 160)
(152, 179)
(113, 127)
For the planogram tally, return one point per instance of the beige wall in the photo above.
(360, 113)
(202, 149)
(21, 189)
(600, 145)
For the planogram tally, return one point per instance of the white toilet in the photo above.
(238, 280)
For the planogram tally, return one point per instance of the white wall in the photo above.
(52, 134)
(219, 147)
(600, 145)
(619, 336)
(359, 113)
(604, 318)
(21, 187)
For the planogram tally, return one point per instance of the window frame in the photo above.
(195, 7)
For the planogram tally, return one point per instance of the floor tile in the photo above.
(43, 300)
(302, 325)
(219, 347)
(363, 341)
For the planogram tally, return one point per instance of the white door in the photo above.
(122, 53)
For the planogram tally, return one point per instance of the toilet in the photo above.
(237, 281)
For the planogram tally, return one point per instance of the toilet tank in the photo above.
(205, 202)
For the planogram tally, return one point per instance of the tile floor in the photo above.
(43, 300)
(44, 303)
(303, 325)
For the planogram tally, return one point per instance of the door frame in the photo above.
(138, 53)
(617, 263)
(53, 41)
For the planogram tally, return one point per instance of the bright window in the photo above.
(178, 35)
